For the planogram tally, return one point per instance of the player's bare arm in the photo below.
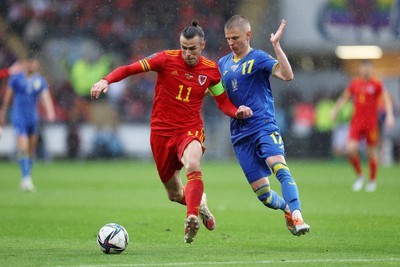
(389, 119)
(283, 70)
(48, 104)
(339, 103)
(98, 88)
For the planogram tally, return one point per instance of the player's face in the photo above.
(31, 65)
(366, 69)
(238, 40)
(191, 49)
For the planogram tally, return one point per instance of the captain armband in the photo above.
(217, 89)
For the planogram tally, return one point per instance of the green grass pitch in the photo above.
(57, 225)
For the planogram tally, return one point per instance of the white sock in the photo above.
(297, 215)
(287, 209)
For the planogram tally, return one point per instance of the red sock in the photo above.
(193, 192)
(355, 161)
(373, 165)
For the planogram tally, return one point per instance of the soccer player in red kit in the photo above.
(366, 92)
(184, 77)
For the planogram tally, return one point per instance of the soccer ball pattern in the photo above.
(112, 238)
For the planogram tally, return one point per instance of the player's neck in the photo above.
(366, 77)
(243, 54)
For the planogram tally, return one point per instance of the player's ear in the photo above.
(203, 45)
(248, 34)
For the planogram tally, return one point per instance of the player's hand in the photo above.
(97, 88)
(389, 121)
(243, 112)
(276, 37)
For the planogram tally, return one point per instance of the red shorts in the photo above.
(370, 132)
(168, 151)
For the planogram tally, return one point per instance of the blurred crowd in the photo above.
(81, 41)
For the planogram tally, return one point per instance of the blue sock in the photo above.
(270, 198)
(289, 188)
(24, 165)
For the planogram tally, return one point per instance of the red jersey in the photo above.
(366, 95)
(179, 91)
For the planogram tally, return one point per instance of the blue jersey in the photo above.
(247, 83)
(26, 91)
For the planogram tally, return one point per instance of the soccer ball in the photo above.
(112, 238)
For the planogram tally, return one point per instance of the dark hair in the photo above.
(193, 30)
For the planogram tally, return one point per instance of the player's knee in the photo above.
(192, 165)
(282, 172)
(352, 149)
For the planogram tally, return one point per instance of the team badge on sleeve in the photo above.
(202, 79)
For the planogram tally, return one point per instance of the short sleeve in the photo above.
(155, 61)
(216, 76)
(268, 63)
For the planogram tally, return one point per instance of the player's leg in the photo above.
(255, 167)
(175, 189)
(290, 191)
(194, 188)
(165, 155)
(354, 159)
(355, 135)
(33, 140)
(24, 162)
(168, 166)
(372, 154)
(257, 172)
(272, 200)
(270, 146)
(267, 196)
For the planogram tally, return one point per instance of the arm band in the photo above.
(122, 72)
(225, 105)
(217, 89)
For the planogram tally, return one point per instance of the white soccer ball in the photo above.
(112, 238)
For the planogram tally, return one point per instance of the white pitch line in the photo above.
(237, 262)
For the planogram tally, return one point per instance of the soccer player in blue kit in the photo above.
(257, 142)
(25, 89)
